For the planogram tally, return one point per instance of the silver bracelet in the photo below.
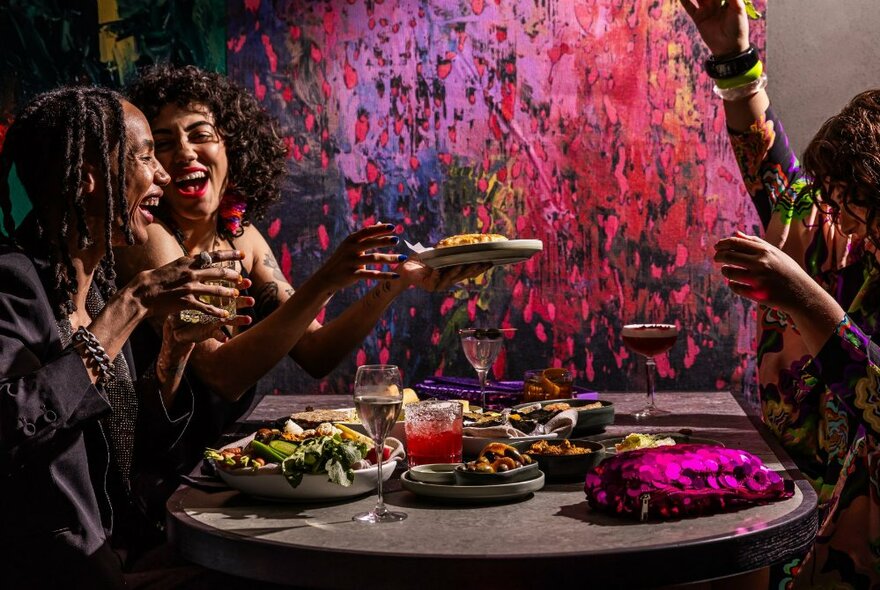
(90, 348)
(744, 91)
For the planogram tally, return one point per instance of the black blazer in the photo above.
(58, 501)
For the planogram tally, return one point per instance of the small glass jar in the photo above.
(544, 384)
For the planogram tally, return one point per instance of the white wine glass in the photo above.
(378, 397)
(481, 347)
(649, 340)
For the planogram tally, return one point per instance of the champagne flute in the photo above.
(378, 397)
(481, 347)
(649, 340)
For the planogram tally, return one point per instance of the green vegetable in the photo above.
(285, 447)
(332, 455)
(750, 9)
(267, 452)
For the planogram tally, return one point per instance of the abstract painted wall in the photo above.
(587, 124)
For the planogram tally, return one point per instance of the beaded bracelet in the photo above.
(744, 91)
(90, 349)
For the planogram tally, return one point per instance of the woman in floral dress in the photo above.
(815, 276)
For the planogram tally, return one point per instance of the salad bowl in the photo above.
(269, 483)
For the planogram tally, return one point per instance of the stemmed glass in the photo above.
(481, 347)
(649, 340)
(378, 397)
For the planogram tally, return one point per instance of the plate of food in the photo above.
(346, 417)
(476, 248)
(312, 465)
(592, 415)
(496, 463)
(637, 440)
(496, 492)
(509, 426)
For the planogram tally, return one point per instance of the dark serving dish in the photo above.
(471, 478)
(590, 421)
(566, 467)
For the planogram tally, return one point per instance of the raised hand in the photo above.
(179, 284)
(724, 26)
(349, 262)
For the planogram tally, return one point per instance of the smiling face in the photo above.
(144, 176)
(190, 148)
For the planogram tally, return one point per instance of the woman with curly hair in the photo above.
(77, 417)
(226, 163)
(816, 278)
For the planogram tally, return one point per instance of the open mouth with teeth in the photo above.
(192, 184)
(149, 207)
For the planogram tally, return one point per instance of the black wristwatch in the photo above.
(733, 66)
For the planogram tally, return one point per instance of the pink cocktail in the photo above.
(433, 432)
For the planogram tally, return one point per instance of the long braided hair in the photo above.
(48, 143)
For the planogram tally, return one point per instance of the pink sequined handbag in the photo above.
(680, 481)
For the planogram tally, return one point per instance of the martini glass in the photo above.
(649, 340)
(378, 397)
(481, 347)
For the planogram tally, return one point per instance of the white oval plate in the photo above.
(498, 253)
(483, 493)
(268, 482)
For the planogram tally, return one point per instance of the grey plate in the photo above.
(497, 253)
(679, 438)
(471, 494)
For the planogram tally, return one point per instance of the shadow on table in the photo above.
(693, 421)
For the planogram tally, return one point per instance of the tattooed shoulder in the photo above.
(272, 264)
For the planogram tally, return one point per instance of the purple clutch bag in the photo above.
(680, 481)
(499, 394)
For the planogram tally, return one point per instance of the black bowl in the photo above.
(566, 467)
(472, 478)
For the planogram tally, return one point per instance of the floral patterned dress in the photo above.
(824, 409)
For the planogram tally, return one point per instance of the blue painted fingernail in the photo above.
(395, 239)
(402, 258)
(389, 225)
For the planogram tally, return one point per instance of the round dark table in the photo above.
(550, 538)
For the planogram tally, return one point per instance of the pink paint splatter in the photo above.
(350, 76)
(361, 127)
(259, 88)
(270, 52)
(323, 237)
(274, 228)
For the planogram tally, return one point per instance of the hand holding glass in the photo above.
(378, 397)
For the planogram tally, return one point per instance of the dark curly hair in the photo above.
(255, 152)
(47, 143)
(845, 154)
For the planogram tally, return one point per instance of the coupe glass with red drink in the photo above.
(433, 432)
(649, 340)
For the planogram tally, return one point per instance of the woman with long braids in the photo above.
(226, 163)
(76, 420)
